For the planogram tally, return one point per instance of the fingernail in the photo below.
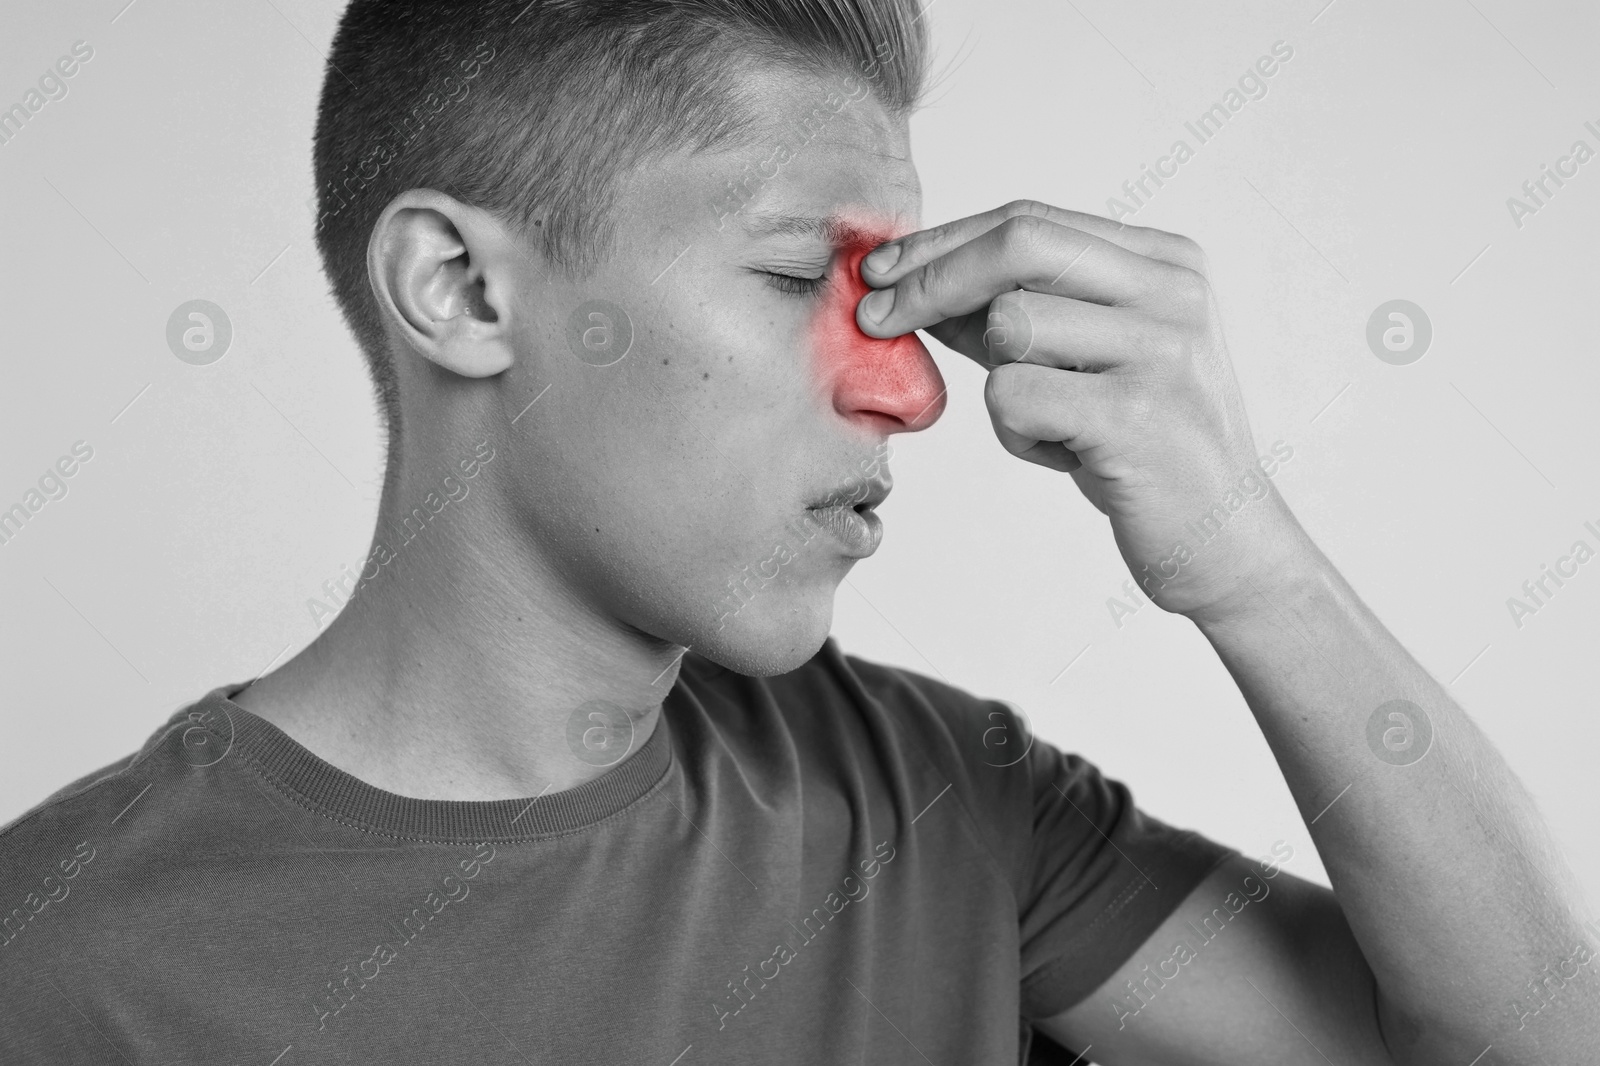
(876, 305)
(883, 258)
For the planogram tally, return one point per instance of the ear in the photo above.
(442, 276)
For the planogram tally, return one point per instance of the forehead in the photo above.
(822, 158)
(825, 147)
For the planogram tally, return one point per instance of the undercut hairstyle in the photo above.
(531, 111)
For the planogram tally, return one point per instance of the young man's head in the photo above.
(643, 217)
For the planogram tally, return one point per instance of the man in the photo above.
(577, 776)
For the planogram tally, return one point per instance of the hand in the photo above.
(1106, 360)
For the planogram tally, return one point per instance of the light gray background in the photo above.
(1377, 167)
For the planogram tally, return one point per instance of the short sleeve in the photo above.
(1093, 876)
(1101, 877)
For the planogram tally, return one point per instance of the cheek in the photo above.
(888, 369)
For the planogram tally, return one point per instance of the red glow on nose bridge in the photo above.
(872, 376)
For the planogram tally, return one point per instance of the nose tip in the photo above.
(894, 379)
(894, 382)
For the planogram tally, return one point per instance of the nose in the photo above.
(892, 384)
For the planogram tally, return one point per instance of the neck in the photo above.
(457, 669)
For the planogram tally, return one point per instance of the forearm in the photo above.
(1434, 849)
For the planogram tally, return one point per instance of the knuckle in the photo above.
(1017, 444)
(1021, 233)
(1187, 250)
(1025, 209)
(1141, 406)
(1164, 343)
(1189, 289)
(912, 244)
(1184, 251)
(1010, 304)
(927, 283)
(1187, 245)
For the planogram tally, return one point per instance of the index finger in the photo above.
(922, 247)
(1022, 252)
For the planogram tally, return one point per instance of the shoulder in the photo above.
(45, 850)
(87, 805)
(67, 792)
(115, 841)
(73, 804)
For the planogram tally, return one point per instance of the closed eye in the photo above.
(795, 285)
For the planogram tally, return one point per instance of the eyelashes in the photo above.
(795, 285)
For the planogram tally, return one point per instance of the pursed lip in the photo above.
(857, 494)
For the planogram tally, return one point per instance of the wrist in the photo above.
(1285, 567)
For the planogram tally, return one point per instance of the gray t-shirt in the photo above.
(849, 862)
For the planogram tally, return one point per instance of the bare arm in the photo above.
(1445, 874)
(1225, 981)
(1454, 929)
(1107, 361)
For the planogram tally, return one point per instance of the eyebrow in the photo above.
(835, 231)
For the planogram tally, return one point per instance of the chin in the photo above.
(766, 639)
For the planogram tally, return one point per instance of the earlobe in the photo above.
(434, 281)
